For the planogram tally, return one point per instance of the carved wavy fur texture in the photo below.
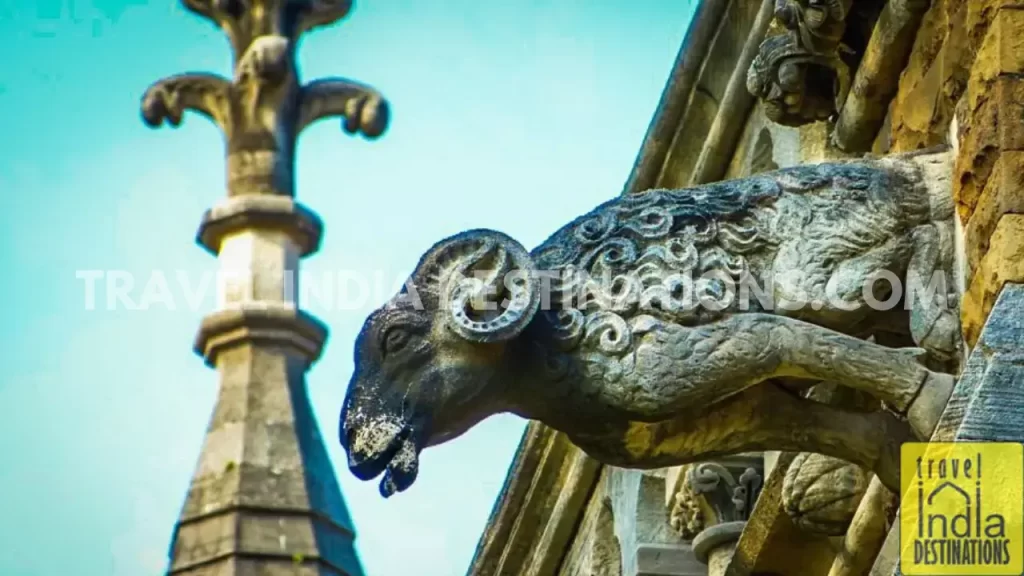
(726, 231)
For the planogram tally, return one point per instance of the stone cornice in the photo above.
(683, 80)
(537, 513)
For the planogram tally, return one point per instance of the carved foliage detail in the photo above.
(799, 74)
(263, 108)
(714, 493)
(685, 516)
(245, 20)
(821, 493)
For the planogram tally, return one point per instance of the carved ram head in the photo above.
(429, 363)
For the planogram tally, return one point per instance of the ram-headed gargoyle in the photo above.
(676, 325)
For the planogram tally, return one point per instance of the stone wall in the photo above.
(962, 86)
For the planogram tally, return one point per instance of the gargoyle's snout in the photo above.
(377, 443)
(363, 465)
(368, 440)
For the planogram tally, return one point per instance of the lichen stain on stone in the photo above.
(375, 433)
(638, 439)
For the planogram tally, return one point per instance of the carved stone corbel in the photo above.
(715, 502)
(799, 75)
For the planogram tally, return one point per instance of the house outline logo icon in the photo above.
(962, 509)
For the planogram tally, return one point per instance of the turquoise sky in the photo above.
(510, 115)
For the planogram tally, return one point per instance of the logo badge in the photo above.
(962, 510)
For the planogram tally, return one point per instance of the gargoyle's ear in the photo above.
(493, 291)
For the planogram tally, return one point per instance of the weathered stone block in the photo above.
(1003, 193)
(935, 75)
(993, 103)
(1002, 51)
(991, 125)
(771, 543)
(1004, 262)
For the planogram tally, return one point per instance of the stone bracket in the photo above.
(727, 489)
(262, 211)
(270, 323)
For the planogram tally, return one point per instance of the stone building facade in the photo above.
(764, 84)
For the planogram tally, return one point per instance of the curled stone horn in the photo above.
(486, 283)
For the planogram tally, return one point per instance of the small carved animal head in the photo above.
(429, 363)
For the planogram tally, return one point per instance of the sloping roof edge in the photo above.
(676, 97)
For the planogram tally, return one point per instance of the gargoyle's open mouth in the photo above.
(399, 463)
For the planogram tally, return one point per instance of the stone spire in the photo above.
(264, 498)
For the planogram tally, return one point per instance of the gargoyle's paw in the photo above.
(919, 355)
(944, 337)
(924, 413)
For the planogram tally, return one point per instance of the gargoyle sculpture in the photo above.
(631, 330)
(799, 74)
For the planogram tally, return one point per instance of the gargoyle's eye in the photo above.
(395, 340)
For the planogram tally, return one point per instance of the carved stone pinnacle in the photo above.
(264, 107)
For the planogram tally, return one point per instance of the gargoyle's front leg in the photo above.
(710, 362)
(893, 375)
(934, 323)
(759, 418)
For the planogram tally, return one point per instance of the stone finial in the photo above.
(264, 107)
(821, 493)
(799, 75)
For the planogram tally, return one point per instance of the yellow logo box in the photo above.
(962, 511)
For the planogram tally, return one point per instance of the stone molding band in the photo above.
(715, 536)
(262, 212)
(267, 322)
(291, 559)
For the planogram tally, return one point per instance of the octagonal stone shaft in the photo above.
(264, 498)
